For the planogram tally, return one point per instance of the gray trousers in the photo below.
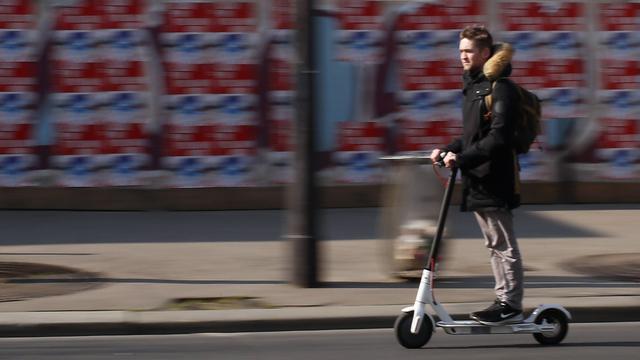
(506, 262)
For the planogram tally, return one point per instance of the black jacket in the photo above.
(486, 157)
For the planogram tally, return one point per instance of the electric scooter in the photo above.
(549, 323)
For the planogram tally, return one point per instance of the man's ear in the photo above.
(486, 54)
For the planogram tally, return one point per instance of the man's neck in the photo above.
(471, 76)
(475, 73)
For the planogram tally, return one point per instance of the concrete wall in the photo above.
(110, 199)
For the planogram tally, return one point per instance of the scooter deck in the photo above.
(472, 327)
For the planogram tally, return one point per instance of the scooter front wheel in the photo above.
(408, 339)
(558, 320)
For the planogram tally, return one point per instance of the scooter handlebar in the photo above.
(417, 158)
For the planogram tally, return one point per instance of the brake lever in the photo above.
(440, 163)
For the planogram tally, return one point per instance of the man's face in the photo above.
(471, 57)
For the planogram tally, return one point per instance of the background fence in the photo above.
(200, 94)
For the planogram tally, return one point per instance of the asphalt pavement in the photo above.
(584, 342)
(180, 272)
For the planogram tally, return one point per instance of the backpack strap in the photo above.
(488, 102)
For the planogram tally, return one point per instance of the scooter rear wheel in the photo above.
(404, 335)
(558, 320)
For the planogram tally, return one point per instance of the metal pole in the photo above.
(302, 193)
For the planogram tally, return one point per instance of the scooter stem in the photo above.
(442, 219)
(425, 291)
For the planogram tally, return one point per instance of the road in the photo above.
(585, 341)
(94, 227)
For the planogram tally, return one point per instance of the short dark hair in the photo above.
(479, 34)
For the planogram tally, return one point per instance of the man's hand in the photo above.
(450, 160)
(435, 155)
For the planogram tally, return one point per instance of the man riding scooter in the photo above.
(488, 163)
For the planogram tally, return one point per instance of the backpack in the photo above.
(528, 118)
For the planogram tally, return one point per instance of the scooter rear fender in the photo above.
(543, 307)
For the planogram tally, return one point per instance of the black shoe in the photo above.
(497, 314)
(493, 307)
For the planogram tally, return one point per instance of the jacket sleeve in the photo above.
(455, 146)
(500, 135)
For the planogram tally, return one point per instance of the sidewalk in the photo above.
(143, 272)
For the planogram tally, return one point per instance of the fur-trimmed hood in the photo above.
(499, 65)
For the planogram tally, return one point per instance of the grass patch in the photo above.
(217, 303)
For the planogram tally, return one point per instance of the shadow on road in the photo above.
(478, 282)
(144, 281)
(95, 227)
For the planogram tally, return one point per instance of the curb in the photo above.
(99, 323)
